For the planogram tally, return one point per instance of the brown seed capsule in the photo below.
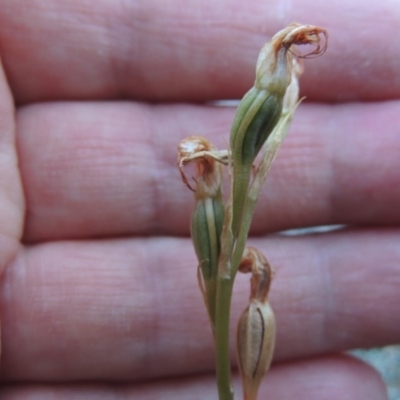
(256, 328)
(255, 345)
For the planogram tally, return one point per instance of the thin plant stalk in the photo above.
(223, 365)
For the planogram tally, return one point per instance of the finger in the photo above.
(110, 169)
(104, 310)
(11, 198)
(205, 50)
(330, 378)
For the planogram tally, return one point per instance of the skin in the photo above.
(98, 298)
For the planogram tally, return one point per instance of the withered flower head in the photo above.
(275, 62)
(253, 261)
(208, 167)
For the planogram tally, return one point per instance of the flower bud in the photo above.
(256, 328)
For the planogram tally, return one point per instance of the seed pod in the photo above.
(206, 227)
(261, 107)
(255, 346)
(208, 215)
(257, 115)
(256, 328)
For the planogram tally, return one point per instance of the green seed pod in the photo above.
(256, 117)
(260, 127)
(261, 107)
(206, 227)
(209, 212)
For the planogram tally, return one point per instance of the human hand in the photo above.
(99, 297)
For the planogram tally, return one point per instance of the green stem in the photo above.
(243, 232)
(223, 365)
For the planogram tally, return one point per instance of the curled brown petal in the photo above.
(189, 149)
(296, 34)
